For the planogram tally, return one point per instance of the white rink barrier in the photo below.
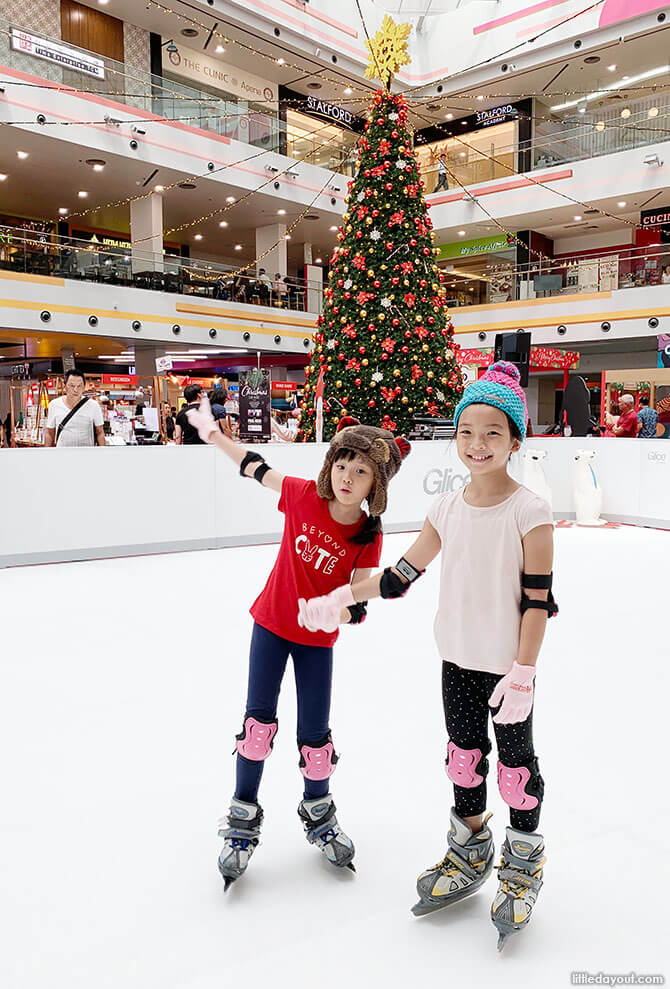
(81, 504)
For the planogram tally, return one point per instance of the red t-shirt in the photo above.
(316, 556)
(628, 423)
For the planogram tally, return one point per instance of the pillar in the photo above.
(273, 240)
(146, 233)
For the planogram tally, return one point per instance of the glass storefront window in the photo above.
(481, 279)
(469, 158)
(305, 136)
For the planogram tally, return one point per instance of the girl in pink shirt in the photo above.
(495, 597)
(327, 538)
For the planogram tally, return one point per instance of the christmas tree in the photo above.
(383, 347)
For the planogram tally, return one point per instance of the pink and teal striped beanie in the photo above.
(498, 387)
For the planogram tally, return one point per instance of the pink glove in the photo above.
(202, 419)
(515, 690)
(323, 614)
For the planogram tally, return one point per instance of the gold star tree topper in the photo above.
(388, 50)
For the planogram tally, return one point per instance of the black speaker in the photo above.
(515, 348)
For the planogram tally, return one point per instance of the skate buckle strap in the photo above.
(509, 876)
(462, 766)
(455, 864)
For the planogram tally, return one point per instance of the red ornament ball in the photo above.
(357, 382)
(361, 349)
(371, 403)
(405, 350)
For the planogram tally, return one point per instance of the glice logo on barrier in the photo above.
(656, 457)
(439, 480)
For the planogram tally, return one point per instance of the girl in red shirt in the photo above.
(328, 539)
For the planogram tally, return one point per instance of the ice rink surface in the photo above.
(123, 684)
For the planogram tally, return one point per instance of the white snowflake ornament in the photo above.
(348, 284)
(377, 376)
(440, 396)
(361, 196)
(401, 163)
(374, 235)
(393, 115)
(331, 344)
(386, 302)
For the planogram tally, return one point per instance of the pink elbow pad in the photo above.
(462, 765)
(255, 741)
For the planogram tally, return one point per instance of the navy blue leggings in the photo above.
(313, 666)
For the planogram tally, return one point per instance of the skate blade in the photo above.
(503, 939)
(421, 909)
(227, 883)
(350, 865)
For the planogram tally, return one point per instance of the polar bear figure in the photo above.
(587, 492)
(533, 474)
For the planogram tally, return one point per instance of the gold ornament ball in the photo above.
(373, 336)
(343, 319)
(364, 313)
(410, 410)
(404, 400)
(368, 221)
(430, 374)
(335, 419)
(348, 228)
(381, 317)
(338, 383)
(371, 273)
(365, 362)
(383, 267)
(425, 348)
(405, 283)
(443, 381)
(396, 372)
(373, 383)
(417, 318)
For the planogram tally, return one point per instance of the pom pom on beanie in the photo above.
(499, 387)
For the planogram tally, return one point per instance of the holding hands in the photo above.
(323, 613)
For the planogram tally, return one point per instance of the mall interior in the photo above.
(173, 177)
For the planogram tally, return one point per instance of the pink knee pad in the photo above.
(512, 786)
(255, 741)
(317, 762)
(461, 765)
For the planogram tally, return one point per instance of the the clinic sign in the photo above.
(200, 68)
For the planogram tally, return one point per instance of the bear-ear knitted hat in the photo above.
(380, 447)
(499, 386)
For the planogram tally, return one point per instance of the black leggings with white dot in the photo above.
(465, 695)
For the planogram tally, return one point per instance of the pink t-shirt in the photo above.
(478, 617)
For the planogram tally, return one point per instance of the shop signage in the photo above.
(484, 245)
(655, 217)
(284, 386)
(255, 404)
(94, 238)
(320, 108)
(236, 82)
(163, 364)
(119, 381)
(69, 58)
(497, 115)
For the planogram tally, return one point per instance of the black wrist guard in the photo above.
(358, 612)
(261, 470)
(538, 582)
(393, 586)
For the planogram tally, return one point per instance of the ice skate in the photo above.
(465, 867)
(241, 830)
(520, 878)
(321, 829)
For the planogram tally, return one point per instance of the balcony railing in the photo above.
(647, 122)
(47, 254)
(634, 267)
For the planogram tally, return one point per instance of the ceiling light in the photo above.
(582, 109)
(238, 247)
(21, 154)
(82, 194)
(197, 237)
(230, 199)
(611, 68)
(3, 177)
(159, 188)
(62, 210)
(223, 223)
(281, 61)
(281, 212)
(621, 204)
(480, 97)
(348, 91)
(334, 228)
(598, 94)
(652, 112)
(461, 154)
(448, 116)
(103, 3)
(98, 167)
(287, 236)
(576, 219)
(600, 126)
(220, 50)
(318, 261)
(625, 113)
(625, 78)
(461, 233)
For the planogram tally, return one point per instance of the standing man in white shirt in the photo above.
(74, 420)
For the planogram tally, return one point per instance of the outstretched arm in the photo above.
(205, 423)
(325, 612)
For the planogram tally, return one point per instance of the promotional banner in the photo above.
(255, 405)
